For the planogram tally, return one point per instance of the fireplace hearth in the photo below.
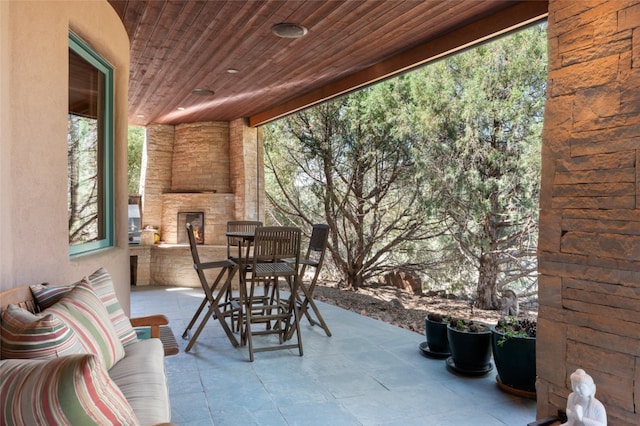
(196, 219)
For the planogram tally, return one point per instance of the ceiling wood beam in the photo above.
(512, 18)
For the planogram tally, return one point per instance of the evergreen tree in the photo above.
(350, 164)
(481, 113)
(438, 170)
(136, 144)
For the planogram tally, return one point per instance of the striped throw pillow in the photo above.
(72, 390)
(82, 310)
(24, 335)
(47, 295)
(103, 285)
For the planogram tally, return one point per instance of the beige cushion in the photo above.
(141, 377)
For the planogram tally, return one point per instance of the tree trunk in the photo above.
(487, 292)
(354, 276)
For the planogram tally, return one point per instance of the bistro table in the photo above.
(244, 238)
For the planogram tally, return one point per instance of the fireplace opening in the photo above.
(196, 219)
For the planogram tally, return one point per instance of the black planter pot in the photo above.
(515, 360)
(470, 351)
(437, 339)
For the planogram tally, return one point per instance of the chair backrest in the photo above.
(240, 226)
(193, 246)
(319, 237)
(276, 243)
(318, 243)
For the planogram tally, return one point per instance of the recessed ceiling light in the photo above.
(232, 71)
(202, 92)
(288, 30)
(180, 108)
(140, 115)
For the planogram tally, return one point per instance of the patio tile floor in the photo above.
(368, 373)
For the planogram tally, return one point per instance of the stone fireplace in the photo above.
(200, 182)
(210, 172)
(217, 210)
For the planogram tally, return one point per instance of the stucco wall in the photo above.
(6, 235)
(589, 245)
(33, 174)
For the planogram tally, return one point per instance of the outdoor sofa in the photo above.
(71, 356)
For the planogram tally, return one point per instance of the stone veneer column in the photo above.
(247, 170)
(156, 172)
(589, 245)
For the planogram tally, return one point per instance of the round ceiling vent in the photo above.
(288, 30)
(202, 92)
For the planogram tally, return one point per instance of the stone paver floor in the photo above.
(368, 373)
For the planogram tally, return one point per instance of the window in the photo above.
(89, 149)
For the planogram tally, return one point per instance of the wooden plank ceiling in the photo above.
(179, 46)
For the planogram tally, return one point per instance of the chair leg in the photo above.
(230, 312)
(306, 301)
(297, 316)
(229, 301)
(193, 339)
(214, 309)
(247, 332)
(321, 322)
(185, 335)
(281, 314)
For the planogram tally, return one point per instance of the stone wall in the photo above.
(173, 265)
(155, 171)
(201, 158)
(179, 163)
(218, 209)
(247, 170)
(589, 248)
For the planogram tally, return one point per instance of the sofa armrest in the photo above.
(159, 330)
(153, 321)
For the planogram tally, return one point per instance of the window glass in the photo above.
(89, 149)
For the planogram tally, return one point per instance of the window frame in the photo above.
(106, 214)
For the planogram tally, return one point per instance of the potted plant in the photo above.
(437, 344)
(514, 352)
(470, 344)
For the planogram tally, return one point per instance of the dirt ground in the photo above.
(402, 308)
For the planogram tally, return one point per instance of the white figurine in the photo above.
(583, 409)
